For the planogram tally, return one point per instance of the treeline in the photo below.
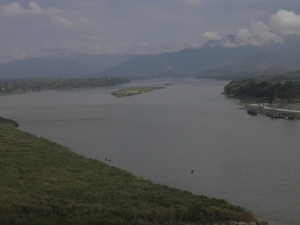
(287, 91)
(26, 85)
(8, 121)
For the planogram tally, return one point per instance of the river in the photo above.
(251, 161)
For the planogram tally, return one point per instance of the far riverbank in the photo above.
(283, 108)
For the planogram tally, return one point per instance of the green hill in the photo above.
(45, 183)
(284, 88)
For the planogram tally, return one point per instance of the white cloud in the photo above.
(211, 35)
(258, 34)
(263, 32)
(16, 54)
(55, 15)
(281, 25)
(13, 9)
(92, 49)
(285, 23)
(52, 50)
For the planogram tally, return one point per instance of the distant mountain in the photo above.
(209, 61)
(236, 71)
(75, 65)
(293, 75)
(271, 62)
(185, 62)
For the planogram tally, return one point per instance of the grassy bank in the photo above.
(45, 183)
(125, 92)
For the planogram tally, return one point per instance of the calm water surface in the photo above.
(252, 161)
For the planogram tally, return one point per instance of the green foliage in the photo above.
(123, 92)
(249, 88)
(45, 183)
(18, 86)
(8, 121)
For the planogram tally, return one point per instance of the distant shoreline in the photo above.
(125, 92)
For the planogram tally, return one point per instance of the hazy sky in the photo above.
(44, 28)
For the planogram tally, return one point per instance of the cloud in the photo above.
(258, 34)
(145, 47)
(13, 9)
(281, 25)
(52, 50)
(91, 49)
(16, 54)
(285, 23)
(211, 35)
(54, 15)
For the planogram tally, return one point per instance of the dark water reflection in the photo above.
(252, 161)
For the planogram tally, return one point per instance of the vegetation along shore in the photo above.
(124, 92)
(27, 85)
(45, 183)
(277, 96)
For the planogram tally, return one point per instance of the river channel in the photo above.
(251, 161)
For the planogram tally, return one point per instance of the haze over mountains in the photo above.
(74, 65)
(209, 61)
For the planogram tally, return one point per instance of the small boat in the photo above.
(273, 113)
(289, 117)
(252, 111)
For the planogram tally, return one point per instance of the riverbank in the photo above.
(45, 183)
(18, 86)
(125, 92)
(282, 108)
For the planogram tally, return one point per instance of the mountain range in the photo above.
(210, 61)
(73, 65)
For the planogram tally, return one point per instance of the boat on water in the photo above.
(289, 117)
(252, 111)
(273, 114)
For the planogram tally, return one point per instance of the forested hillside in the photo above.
(269, 62)
(284, 88)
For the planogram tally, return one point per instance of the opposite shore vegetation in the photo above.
(267, 92)
(45, 183)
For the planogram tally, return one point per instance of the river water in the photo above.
(251, 161)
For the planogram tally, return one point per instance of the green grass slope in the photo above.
(45, 183)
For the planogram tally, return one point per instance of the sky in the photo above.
(41, 28)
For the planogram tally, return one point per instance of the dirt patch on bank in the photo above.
(289, 106)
